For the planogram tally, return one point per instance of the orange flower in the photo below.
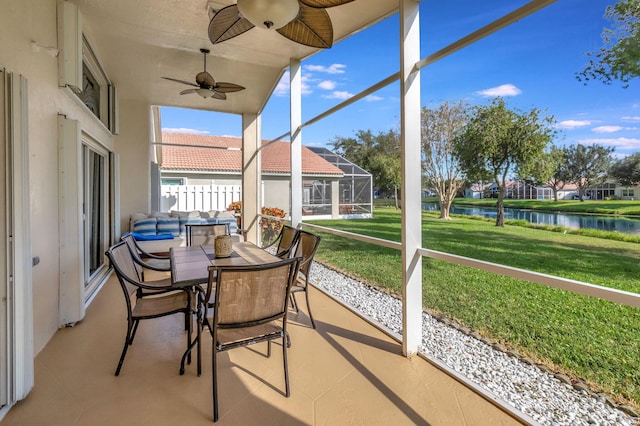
(236, 206)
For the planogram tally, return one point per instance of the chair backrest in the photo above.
(251, 295)
(306, 249)
(135, 254)
(205, 235)
(120, 257)
(287, 240)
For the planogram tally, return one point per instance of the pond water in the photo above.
(573, 221)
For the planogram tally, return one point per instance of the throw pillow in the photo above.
(169, 225)
(145, 226)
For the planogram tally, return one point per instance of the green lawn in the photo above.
(593, 339)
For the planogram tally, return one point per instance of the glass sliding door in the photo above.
(95, 215)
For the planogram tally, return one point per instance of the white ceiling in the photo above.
(140, 41)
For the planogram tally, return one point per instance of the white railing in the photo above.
(198, 197)
(606, 293)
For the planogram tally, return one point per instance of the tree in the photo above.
(440, 167)
(497, 140)
(587, 165)
(559, 177)
(388, 169)
(379, 154)
(627, 170)
(541, 169)
(619, 58)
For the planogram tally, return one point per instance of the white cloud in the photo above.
(283, 87)
(606, 129)
(327, 85)
(634, 118)
(331, 69)
(618, 143)
(373, 98)
(502, 90)
(572, 124)
(339, 95)
(611, 129)
(185, 130)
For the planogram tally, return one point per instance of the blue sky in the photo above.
(532, 63)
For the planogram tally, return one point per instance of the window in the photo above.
(172, 181)
(90, 94)
(627, 193)
(95, 85)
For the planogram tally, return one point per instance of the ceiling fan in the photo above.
(206, 86)
(303, 21)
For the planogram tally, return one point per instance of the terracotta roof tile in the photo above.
(275, 157)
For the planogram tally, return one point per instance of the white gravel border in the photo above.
(529, 389)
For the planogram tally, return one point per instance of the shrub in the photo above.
(271, 228)
(236, 206)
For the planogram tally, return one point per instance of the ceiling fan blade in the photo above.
(223, 87)
(227, 23)
(324, 3)
(218, 95)
(187, 91)
(204, 79)
(312, 28)
(181, 81)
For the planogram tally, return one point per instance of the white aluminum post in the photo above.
(251, 191)
(296, 141)
(335, 199)
(411, 179)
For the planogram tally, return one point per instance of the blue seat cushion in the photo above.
(149, 237)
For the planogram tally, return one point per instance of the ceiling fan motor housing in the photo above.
(269, 14)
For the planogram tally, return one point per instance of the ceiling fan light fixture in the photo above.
(205, 93)
(269, 14)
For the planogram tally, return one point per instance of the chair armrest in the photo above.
(159, 268)
(156, 256)
(274, 242)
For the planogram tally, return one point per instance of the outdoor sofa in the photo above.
(157, 232)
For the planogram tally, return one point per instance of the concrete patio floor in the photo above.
(344, 372)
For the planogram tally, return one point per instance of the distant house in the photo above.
(475, 190)
(521, 190)
(198, 160)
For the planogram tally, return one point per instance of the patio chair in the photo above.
(249, 303)
(306, 249)
(144, 260)
(285, 242)
(164, 301)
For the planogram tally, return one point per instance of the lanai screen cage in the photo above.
(355, 189)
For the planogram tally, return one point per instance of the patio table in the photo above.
(190, 268)
(189, 265)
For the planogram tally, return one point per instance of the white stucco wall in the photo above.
(133, 146)
(276, 194)
(21, 23)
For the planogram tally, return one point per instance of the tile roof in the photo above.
(275, 157)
